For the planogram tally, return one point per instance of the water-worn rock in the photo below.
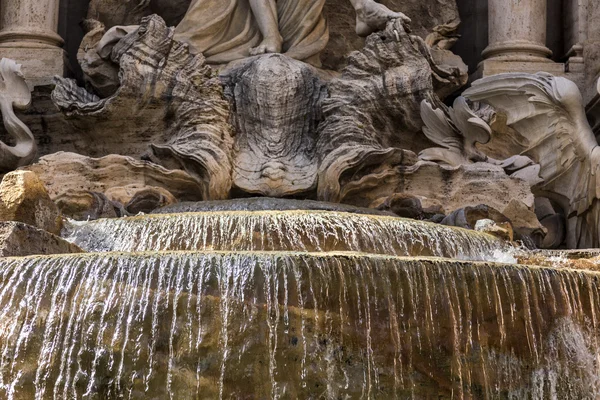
(24, 198)
(19, 240)
(169, 107)
(502, 231)
(87, 184)
(83, 206)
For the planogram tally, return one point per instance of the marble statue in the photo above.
(14, 93)
(229, 30)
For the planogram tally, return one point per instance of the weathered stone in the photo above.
(24, 198)
(524, 220)
(169, 107)
(117, 178)
(502, 231)
(19, 240)
(401, 204)
(101, 76)
(148, 200)
(84, 206)
(277, 107)
(451, 188)
(372, 115)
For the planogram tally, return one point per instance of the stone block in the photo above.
(23, 198)
(19, 240)
(39, 64)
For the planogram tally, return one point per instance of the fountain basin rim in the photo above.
(289, 212)
(300, 255)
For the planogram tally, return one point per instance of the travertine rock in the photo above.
(402, 204)
(168, 100)
(101, 76)
(117, 178)
(450, 188)
(373, 111)
(276, 109)
(24, 198)
(148, 200)
(85, 205)
(19, 240)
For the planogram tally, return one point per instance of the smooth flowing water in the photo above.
(291, 325)
(311, 231)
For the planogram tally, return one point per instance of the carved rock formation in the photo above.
(443, 188)
(167, 98)
(276, 109)
(372, 111)
(23, 198)
(116, 178)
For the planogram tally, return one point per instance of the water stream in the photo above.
(293, 304)
(311, 231)
(291, 325)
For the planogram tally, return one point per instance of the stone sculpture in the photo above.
(14, 93)
(228, 30)
(545, 139)
(546, 121)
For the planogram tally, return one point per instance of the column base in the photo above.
(494, 67)
(39, 64)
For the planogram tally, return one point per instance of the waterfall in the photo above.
(212, 324)
(291, 230)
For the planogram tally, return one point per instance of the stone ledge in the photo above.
(19, 240)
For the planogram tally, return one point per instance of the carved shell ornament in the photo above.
(14, 93)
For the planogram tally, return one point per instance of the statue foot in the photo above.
(373, 17)
(268, 45)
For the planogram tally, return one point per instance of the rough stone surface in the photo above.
(19, 240)
(372, 114)
(447, 188)
(276, 109)
(169, 107)
(117, 178)
(24, 198)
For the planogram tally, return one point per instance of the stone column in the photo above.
(517, 37)
(28, 35)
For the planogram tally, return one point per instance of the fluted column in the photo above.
(517, 38)
(28, 34)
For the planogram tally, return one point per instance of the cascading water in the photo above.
(313, 231)
(293, 304)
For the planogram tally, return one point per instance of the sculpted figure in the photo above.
(229, 30)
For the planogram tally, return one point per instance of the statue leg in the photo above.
(265, 12)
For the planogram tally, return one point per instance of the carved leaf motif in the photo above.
(457, 131)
